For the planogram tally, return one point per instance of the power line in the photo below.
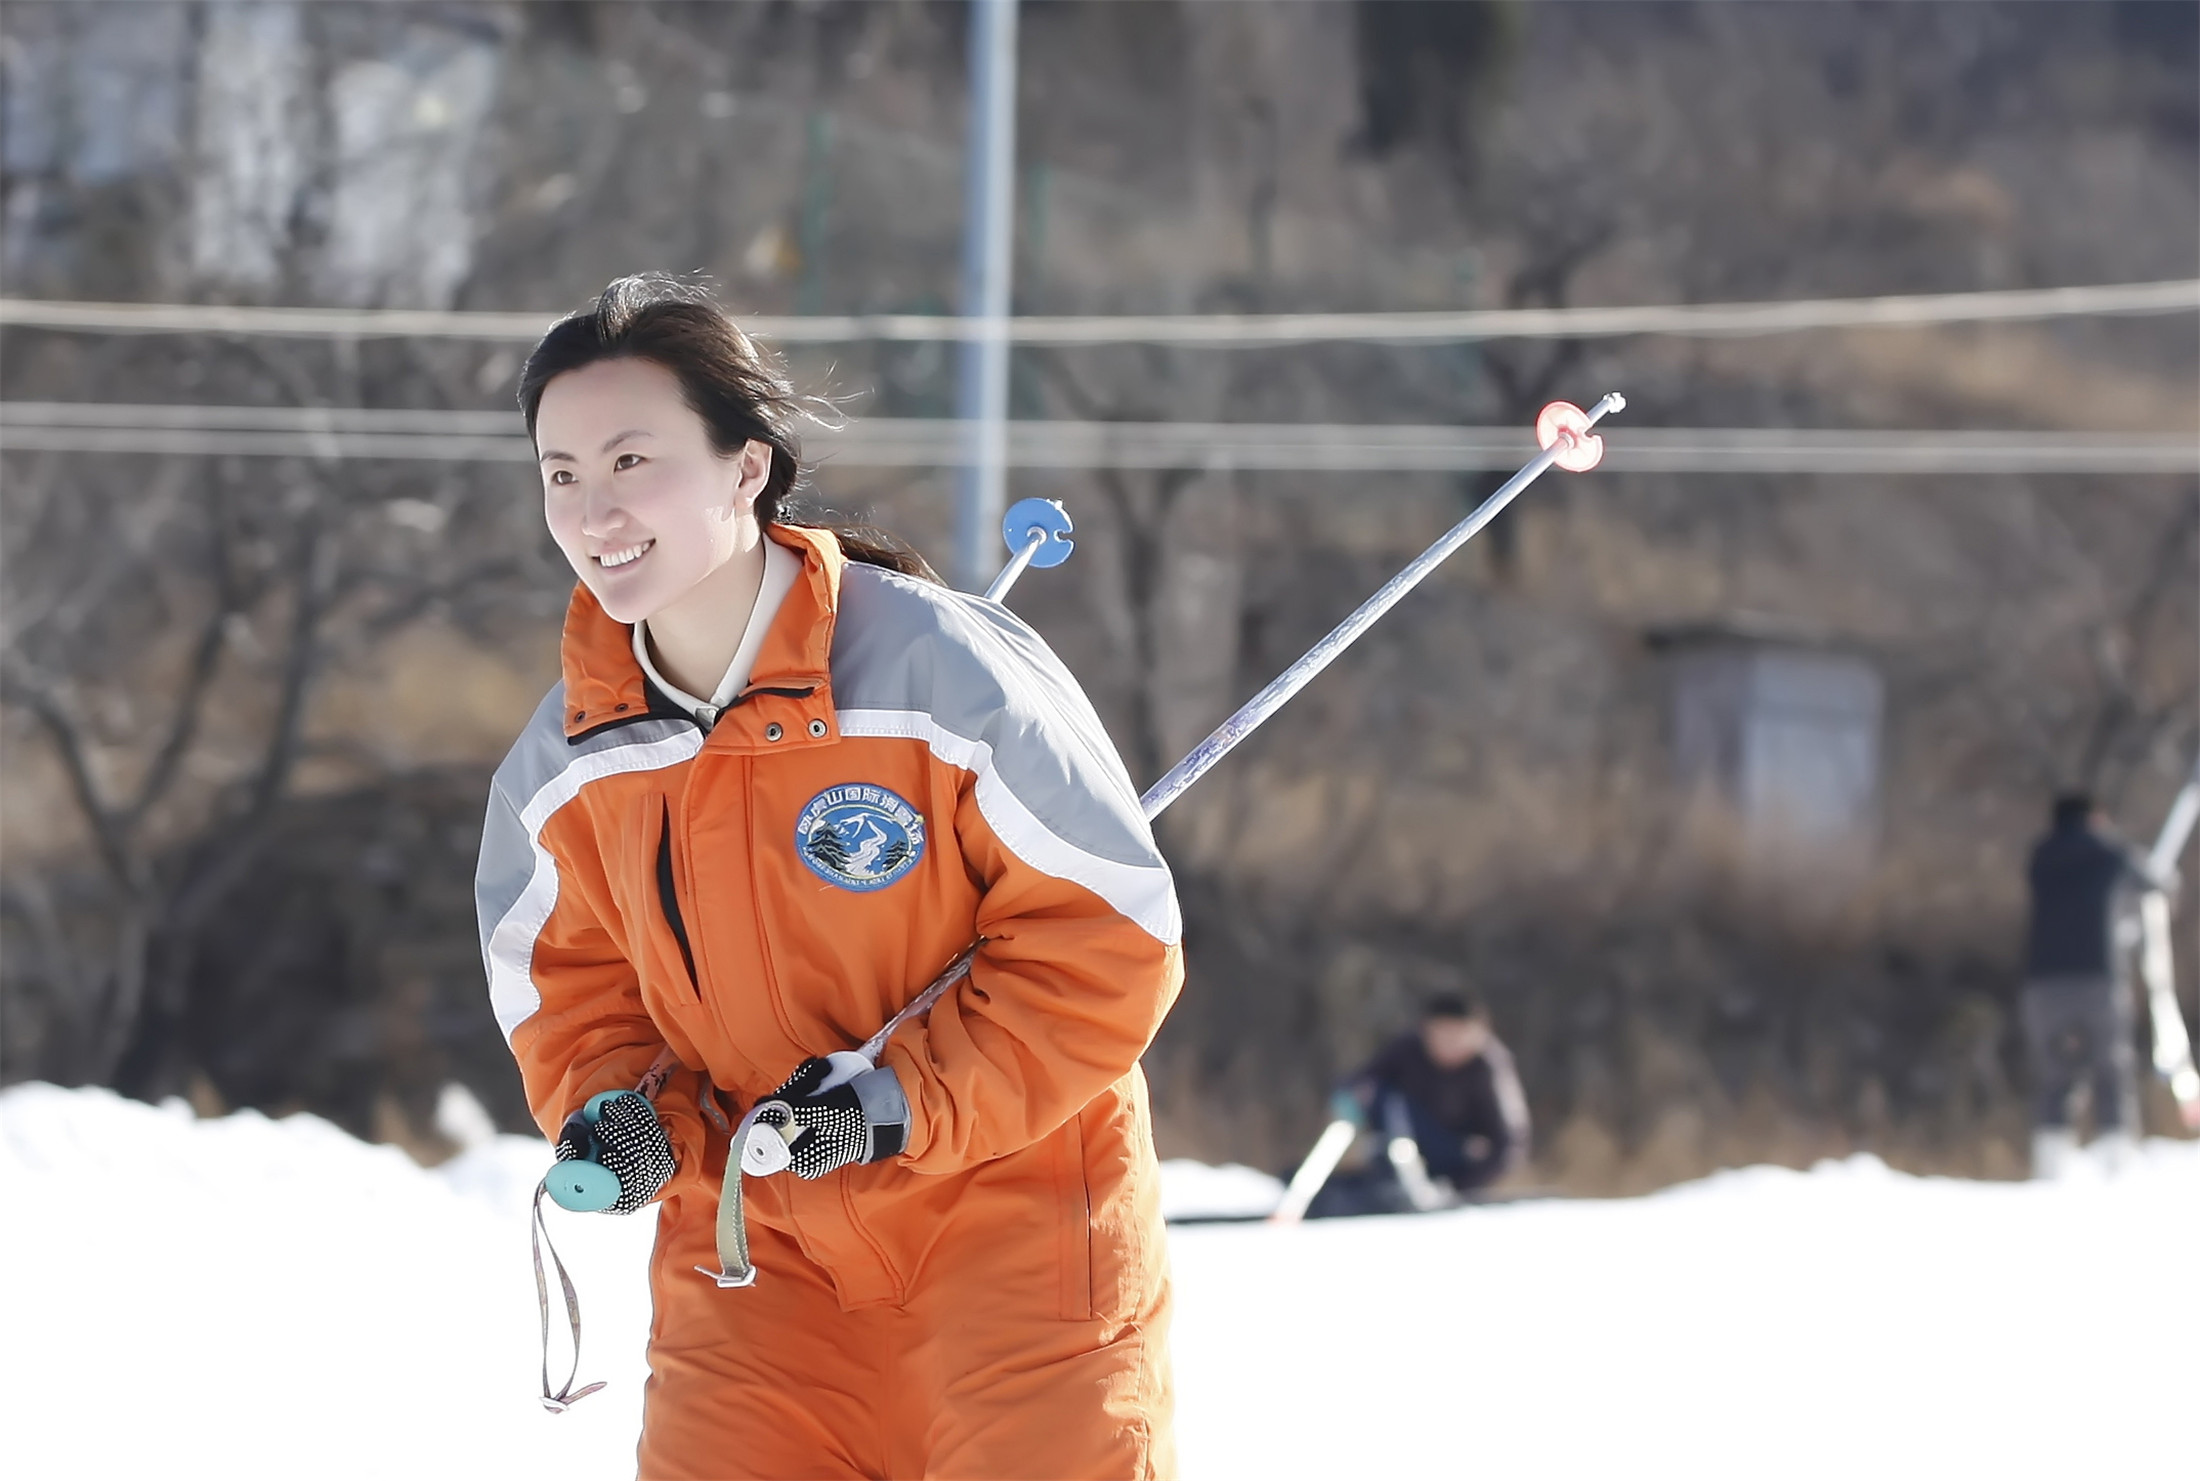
(504, 423)
(891, 442)
(1208, 331)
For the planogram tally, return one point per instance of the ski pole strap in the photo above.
(734, 1270)
(566, 1396)
(769, 1155)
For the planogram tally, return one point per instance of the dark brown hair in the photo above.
(1453, 1005)
(739, 389)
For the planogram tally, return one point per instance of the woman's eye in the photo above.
(626, 461)
(561, 476)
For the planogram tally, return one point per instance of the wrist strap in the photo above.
(734, 1269)
(539, 1235)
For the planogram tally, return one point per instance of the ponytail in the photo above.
(867, 543)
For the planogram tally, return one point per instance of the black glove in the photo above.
(864, 1118)
(613, 1155)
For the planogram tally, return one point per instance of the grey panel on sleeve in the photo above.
(980, 673)
(542, 770)
(507, 852)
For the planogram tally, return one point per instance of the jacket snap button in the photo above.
(620, 709)
(772, 731)
(817, 729)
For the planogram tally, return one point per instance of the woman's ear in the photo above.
(753, 466)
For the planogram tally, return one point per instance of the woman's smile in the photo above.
(625, 555)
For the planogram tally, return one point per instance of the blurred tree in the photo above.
(165, 639)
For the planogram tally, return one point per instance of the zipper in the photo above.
(668, 897)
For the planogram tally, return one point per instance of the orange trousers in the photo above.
(973, 1375)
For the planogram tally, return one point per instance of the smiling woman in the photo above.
(786, 776)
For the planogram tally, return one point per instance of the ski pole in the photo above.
(1561, 428)
(1563, 431)
(1336, 1139)
(2172, 1044)
(2169, 844)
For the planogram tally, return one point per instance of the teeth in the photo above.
(612, 558)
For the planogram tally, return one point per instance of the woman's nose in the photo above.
(600, 513)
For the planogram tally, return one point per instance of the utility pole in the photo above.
(981, 390)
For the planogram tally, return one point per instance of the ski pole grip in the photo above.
(581, 1184)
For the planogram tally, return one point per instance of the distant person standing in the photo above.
(1450, 1090)
(2076, 1006)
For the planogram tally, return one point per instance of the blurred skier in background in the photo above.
(1445, 1104)
(2076, 1005)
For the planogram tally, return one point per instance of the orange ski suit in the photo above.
(908, 768)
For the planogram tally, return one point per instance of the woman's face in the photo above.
(635, 495)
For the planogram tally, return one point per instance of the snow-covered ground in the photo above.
(252, 1298)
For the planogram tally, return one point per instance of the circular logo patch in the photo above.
(859, 837)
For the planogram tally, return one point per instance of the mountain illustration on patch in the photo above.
(860, 837)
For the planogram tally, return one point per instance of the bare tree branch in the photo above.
(198, 681)
(108, 834)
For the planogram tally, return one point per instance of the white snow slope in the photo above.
(254, 1298)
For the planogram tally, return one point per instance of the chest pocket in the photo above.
(668, 893)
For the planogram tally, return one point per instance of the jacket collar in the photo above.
(605, 686)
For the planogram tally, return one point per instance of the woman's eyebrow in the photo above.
(553, 455)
